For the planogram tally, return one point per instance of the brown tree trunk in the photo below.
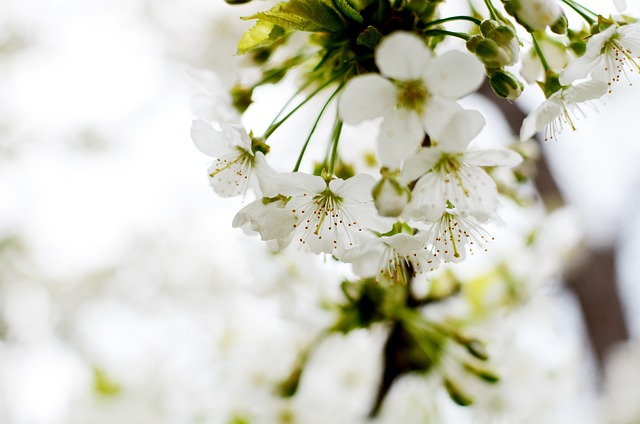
(593, 280)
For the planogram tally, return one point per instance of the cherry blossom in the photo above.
(325, 216)
(610, 54)
(449, 174)
(561, 109)
(234, 159)
(414, 93)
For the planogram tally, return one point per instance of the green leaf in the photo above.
(348, 10)
(302, 15)
(262, 33)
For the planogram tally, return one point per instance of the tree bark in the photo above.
(593, 281)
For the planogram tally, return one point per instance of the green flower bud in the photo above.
(497, 47)
(491, 54)
(561, 25)
(505, 85)
(241, 97)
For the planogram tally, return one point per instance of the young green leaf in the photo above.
(302, 15)
(348, 10)
(263, 32)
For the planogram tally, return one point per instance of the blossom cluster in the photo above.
(397, 66)
(433, 195)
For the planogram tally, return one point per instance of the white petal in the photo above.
(420, 163)
(401, 135)
(357, 188)
(402, 56)
(473, 192)
(297, 184)
(531, 67)
(428, 198)
(405, 244)
(437, 112)
(264, 174)
(208, 140)
(366, 97)
(630, 39)
(540, 117)
(579, 68)
(365, 257)
(621, 5)
(237, 136)
(461, 129)
(229, 175)
(588, 90)
(453, 75)
(492, 157)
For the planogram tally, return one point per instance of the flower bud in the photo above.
(561, 25)
(497, 47)
(489, 52)
(535, 14)
(390, 195)
(505, 85)
(241, 97)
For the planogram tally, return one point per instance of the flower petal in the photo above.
(366, 97)
(588, 90)
(208, 140)
(428, 198)
(297, 184)
(401, 134)
(453, 75)
(630, 39)
(420, 163)
(463, 127)
(356, 188)
(437, 113)
(402, 56)
(492, 157)
(540, 117)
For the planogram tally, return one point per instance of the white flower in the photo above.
(327, 217)
(453, 234)
(234, 159)
(415, 93)
(609, 55)
(538, 14)
(392, 258)
(561, 108)
(452, 176)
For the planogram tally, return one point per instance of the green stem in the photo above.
(581, 10)
(297, 93)
(454, 18)
(275, 126)
(335, 137)
(433, 32)
(313, 129)
(543, 60)
(492, 10)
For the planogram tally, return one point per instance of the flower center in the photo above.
(412, 95)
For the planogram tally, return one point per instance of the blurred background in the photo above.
(127, 297)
